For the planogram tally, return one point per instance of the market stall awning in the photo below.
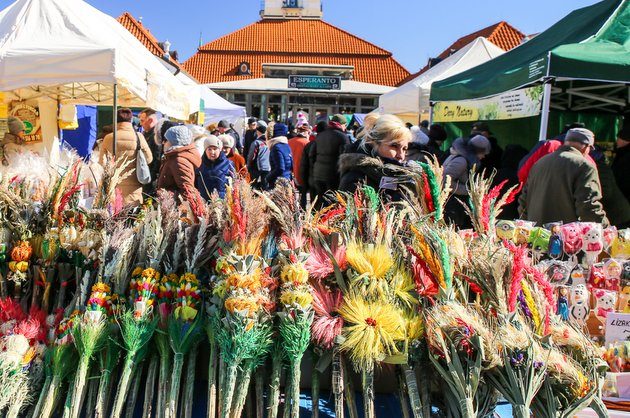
(591, 43)
(413, 96)
(72, 52)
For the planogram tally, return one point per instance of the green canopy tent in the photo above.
(582, 62)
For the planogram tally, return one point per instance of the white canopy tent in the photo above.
(68, 51)
(411, 100)
(216, 107)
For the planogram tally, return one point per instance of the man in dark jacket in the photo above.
(148, 120)
(280, 158)
(258, 158)
(621, 163)
(225, 127)
(564, 186)
(329, 145)
(250, 135)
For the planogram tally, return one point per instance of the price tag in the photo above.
(617, 327)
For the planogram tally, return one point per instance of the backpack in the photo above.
(143, 173)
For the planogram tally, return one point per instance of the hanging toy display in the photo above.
(577, 276)
(539, 240)
(555, 240)
(558, 272)
(579, 307)
(620, 247)
(612, 272)
(563, 302)
(523, 229)
(597, 277)
(506, 230)
(605, 302)
(592, 241)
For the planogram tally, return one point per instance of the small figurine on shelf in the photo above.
(597, 277)
(571, 238)
(592, 243)
(577, 276)
(555, 241)
(578, 312)
(563, 302)
(605, 302)
(612, 271)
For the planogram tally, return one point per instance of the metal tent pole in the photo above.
(115, 117)
(431, 104)
(544, 112)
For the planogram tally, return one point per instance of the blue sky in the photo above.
(413, 30)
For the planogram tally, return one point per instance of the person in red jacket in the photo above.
(297, 144)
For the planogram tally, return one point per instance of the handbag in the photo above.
(143, 173)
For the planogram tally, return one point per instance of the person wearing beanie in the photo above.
(465, 153)
(128, 141)
(258, 165)
(297, 145)
(329, 145)
(492, 160)
(181, 159)
(225, 127)
(280, 158)
(13, 140)
(437, 136)
(250, 135)
(215, 171)
(418, 145)
(237, 159)
(564, 185)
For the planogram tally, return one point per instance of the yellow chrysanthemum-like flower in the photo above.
(240, 304)
(294, 273)
(136, 272)
(372, 330)
(415, 327)
(189, 278)
(101, 287)
(402, 285)
(151, 273)
(373, 260)
(250, 282)
(220, 289)
(296, 297)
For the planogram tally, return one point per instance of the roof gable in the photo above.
(294, 36)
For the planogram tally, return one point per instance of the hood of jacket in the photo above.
(188, 152)
(278, 140)
(460, 147)
(373, 166)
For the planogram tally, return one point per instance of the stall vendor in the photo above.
(13, 140)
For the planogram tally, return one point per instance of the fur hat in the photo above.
(212, 141)
(227, 141)
(179, 136)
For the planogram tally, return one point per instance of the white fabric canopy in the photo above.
(217, 108)
(412, 98)
(72, 52)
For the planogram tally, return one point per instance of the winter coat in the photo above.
(562, 186)
(329, 145)
(126, 145)
(297, 145)
(258, 158)
(154, 166)
(239, 164)
(508, 173)
(621, 169)
(213, 175)
(280, 160)
(457, 166)
(237, 139)
(492, 161)
(615, 204)
(541, 149)
(306, 167)
(250, 136)
(177, 173)
(363, 166)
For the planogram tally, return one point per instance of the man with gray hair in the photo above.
(564, 185)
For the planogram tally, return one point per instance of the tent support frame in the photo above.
(115, 118)
(544, 112)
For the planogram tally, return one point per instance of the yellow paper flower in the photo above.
(189, 278)
(294, 273)
(372, 330)
(136, 272)
(220, 289)
(373, 260)
(239, 304)
(101, 287)
(296, 297)
(250, 282)
(151, 273)
(185, 313)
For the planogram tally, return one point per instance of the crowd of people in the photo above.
(567, 178)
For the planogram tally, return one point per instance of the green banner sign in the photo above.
(314, 82)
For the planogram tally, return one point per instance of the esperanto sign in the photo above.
(513, 104)
(314, 82)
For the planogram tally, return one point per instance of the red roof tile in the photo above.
(292, 41)
(144, 35)
(502, 34)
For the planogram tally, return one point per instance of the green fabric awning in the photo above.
(592, 43)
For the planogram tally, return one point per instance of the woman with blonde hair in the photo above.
(378, 159)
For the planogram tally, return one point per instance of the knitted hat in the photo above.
(481, 143)
(581, 135)
(15, 126)
(179, 136)
(224, 124)
(261, 126)
(212, 141)
(251, 120)
(280, 129)
(227, 141)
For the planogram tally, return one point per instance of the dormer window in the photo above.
(292, 4)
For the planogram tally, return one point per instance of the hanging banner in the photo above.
(514, 104)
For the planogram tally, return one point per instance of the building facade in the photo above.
(292, 61)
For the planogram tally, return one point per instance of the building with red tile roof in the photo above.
(292, 39)
(502, 34)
